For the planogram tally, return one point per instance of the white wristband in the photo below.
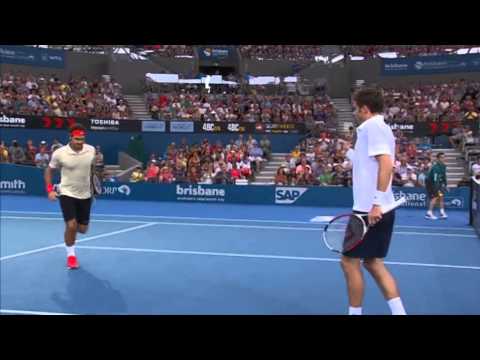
(379, 197)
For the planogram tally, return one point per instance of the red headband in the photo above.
(78, 133)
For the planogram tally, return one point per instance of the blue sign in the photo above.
(182, 126)
(215, 53)
(26, 55)
(425, 65)
(28, 180)
(153, 126)
(23, 180)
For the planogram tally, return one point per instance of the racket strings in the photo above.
(344, 233)
(353, 233)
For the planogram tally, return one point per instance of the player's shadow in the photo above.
(87, 294)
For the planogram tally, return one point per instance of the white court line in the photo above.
(261, 256)
(61, 219)
(179, 224)
(279, 228)
(77, 242)
(228, 219)
(305, 229)
(159, 217)
(26, 312)
(466, 228)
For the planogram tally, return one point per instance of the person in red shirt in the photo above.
(245, 167)
(162, 101)
(152, 172)
(235, 173)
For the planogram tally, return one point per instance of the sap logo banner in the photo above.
(288, 195)
(15, 186)
(113, 190)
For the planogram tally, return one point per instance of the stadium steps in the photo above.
(266, 176)
(455, 165)
(345, 117)
(138, 106)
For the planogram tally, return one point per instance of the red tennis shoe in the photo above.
(72, 262)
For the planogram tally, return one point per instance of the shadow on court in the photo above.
(87, 294)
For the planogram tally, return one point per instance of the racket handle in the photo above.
(394, 205)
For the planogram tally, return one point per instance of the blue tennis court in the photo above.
(191, 258)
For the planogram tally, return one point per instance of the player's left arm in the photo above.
(445, 177)
(385, 170)
(443, 181)
(384, 175)
(92, 173)
(378, 147)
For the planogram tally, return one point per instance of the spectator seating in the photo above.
(48, 95)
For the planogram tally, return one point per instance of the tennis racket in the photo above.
(96, 184)
(345, 232)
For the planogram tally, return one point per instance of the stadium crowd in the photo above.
(38, 155)
(322, 161)
(168, 50)
(207, 163)
(24, 94)
(372, 51)
(235, 104)
(454, 101)
(281, 52)
(309, 52)
(295, 53)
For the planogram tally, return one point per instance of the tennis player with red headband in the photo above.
(75, 162)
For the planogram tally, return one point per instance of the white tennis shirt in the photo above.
(374, 137)
(75, 170)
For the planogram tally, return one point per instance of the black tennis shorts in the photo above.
(432, 191)
(78, 209)
(377, 240)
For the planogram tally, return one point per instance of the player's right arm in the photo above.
(54, 164)
(52, 195)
